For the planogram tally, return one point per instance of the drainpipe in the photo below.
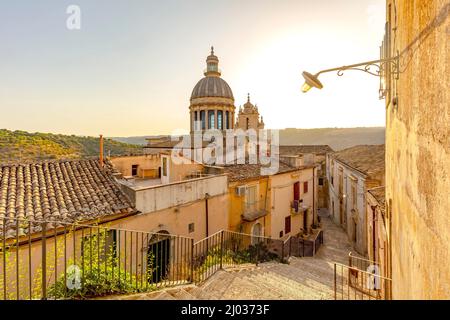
(101, 151)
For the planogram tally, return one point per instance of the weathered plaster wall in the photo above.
(282, 194)
(124, 164)
(418, 151)
(346, 218)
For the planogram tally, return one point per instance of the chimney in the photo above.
(101, 151)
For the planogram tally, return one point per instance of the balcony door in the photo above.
(297, 191)
(251, 193)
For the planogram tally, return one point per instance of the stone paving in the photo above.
(302, 278)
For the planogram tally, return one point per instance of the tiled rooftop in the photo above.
(368, 159)
(379, 195)
(301, 149)
(242, 172)
(59, 191)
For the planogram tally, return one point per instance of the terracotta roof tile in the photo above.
(379, 195)
(368, 159)
(301, 149)
(242, 172)
(59, 191)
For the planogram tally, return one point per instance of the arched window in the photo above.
(219, 120)
(248, 123)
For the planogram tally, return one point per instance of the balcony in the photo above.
(254, 210)
(298, 207)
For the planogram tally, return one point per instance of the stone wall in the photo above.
(418, 150)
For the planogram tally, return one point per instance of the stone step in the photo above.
(214, 286)
(181, 294)
(290, 288)
(240, 288)
(276, 291)
(314, 283)
(164, 296)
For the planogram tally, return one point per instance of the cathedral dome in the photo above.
(212, 86)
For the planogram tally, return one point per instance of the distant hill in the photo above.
(22, 145)
(138, 140)
(336, 138)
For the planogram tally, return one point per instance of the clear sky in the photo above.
(131, 67)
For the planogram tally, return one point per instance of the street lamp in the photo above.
(376, 68)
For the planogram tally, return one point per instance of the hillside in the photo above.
(336, 138)
(22, 145)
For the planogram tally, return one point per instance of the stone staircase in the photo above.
(310, 278)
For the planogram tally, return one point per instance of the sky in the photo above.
(131, 67)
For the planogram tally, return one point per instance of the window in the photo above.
(227, 120)
(219, 120)
(211, 119)
(320, 181)
(134, 170)
(196, 126)
(287, 225)
(191, 227)
(248, 123)
(305, 187)
(203, 119)
(164, 169)
(281, 234)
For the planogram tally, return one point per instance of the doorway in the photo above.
(158, 257)
(256, 233)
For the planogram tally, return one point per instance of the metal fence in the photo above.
(53, 260)
(228, 249)
(298, 247)
(360, 280)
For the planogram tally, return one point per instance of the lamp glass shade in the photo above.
(306, 87)
(311, 81)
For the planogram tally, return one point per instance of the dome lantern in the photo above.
(212, 65)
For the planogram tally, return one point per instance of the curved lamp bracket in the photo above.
(376, 68)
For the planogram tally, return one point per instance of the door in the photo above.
(134, 170)
(297, 191)
(305, 221)
(158, 258)
(287, 225)
(250, 199)
(256, 233)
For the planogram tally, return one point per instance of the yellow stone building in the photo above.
(418, 148)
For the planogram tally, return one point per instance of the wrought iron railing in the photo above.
(54, 260)
(362, 279)
(298, 246)
(228, 249)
